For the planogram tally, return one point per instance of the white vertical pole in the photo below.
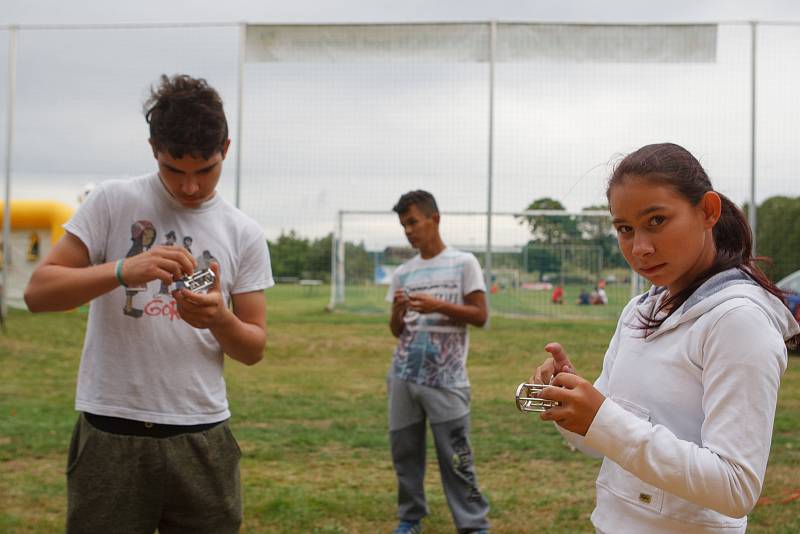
(751, 215)
(12, 94)
(334, 251)
(239, 113)
(490, 158)
(340, 274)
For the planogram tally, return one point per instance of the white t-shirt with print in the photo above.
(432, 349)
(140, 361)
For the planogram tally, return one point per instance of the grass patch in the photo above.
(311, 421)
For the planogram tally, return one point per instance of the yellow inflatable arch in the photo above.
(38, 215)
(31, 222)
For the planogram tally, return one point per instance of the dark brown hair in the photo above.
(422, 199)
(673, 165)
(186, 116)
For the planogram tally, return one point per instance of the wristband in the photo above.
(118, 272)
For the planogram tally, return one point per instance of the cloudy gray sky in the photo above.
(352, 132)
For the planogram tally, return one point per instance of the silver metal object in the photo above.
(198, 281)
(528, 400)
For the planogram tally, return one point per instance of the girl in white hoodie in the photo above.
(683, 409)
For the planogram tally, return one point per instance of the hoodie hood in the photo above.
(722, 287)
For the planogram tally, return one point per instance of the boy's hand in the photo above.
(400, 301)
(424, 303)
(202, 310)
(165, 263)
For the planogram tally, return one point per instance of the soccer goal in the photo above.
(522, 272)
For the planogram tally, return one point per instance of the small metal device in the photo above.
(198, 281)
(528, 400)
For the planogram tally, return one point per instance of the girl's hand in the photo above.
(557, 363)
(579, 400)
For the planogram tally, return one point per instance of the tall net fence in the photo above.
(4, 96)
(579, 278)
(500, 118)
(78, 112)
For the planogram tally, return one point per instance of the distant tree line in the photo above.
(778, 238)
(777, 235)
(297, 257)
(552, 233)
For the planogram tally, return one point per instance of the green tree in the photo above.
(550, 229)
(778, 235)
(289, 255)
(359, 264)
(599, 231)
(541, 258)
(294, 256)
(319, 258)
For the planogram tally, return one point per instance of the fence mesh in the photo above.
(347, 118)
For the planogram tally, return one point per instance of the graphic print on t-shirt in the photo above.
(143, 235)
(430, 350)
(170, 240)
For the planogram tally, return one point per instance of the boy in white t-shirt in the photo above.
(152, 448)
(434, 296)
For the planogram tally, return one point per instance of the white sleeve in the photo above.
(743, 360)
(255, 269)
(91, 222)
(472, 276)
(601, 384)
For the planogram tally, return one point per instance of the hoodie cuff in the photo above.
(615, 432)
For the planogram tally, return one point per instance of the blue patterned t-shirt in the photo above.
(432, 349)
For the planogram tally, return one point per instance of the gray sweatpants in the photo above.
(448, 412)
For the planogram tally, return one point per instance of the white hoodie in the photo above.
(687, 422)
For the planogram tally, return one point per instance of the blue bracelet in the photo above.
(118, 272)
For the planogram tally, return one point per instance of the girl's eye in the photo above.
(656, 220)
(623, 229)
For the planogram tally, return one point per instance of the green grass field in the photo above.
(311, 421)
(369, 298)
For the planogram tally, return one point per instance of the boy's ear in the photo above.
(153, 147)
(436, 218)
(225, 147)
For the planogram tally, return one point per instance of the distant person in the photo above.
(558, 295)
(152, 449)
(594, 297)
(684, 406)
(434, 296)
(602, 298)
(583, 297)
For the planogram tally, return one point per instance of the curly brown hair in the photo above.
(186, 116)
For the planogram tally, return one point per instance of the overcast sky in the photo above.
(318, 11)
(320, 136)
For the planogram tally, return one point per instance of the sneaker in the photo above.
(408, 527)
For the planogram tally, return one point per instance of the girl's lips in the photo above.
(651, 270)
